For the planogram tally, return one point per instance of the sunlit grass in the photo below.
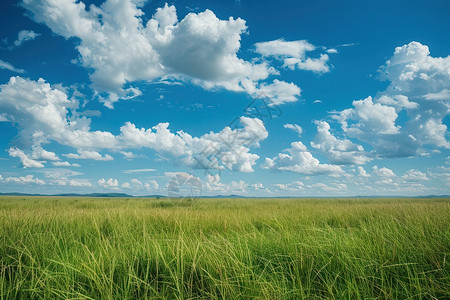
(83, 248)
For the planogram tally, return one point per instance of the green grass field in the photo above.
(81, 248)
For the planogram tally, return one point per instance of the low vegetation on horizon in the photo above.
(119, 248)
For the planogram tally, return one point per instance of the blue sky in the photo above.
(257, 98)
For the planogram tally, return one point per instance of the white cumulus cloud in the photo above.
(415, 175)
(418, 88)
(383, 172)
(362, 172)
(44, 114)
(298, 159)
(110, 183)
(25, 180)
(121, 49)
(339, 151)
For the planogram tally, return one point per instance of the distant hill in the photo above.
(123, 195)
(110, 195)
(225, 196)
(19, 194)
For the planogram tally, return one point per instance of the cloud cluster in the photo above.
(38, 157)
(110, 183)
(85, 154)
(79, 183)
(137, 185)
(213, 184)
(121, 49)
(44, 114)
(26, 161)
(27, 179)
(418, 88)
(418, 91)
(228, 148)
(338, 151)
(385, 180)
(404, 120)
(376, 181)
(311, 189)
(299, 160)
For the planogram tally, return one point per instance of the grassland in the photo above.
(81, 248)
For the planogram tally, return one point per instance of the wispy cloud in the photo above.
(25, 35)
(8, 66)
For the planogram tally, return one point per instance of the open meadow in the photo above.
(118, 248)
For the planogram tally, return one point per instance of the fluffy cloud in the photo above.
(278, 92)
(298, 159)
(419, 85)
(120, 49)
(110, 183)
(426, 123)
(25, 180)
(213, 184)
(311, 189)
(362, 172)
(226, 149)
(409, 183)
(25, 35)
(44, 114)
(41, 153)
(293, 186)
(258, 187)
(339, 151)
(83, 154)
(412, 70)
(370, 119)
(151, 185)
(61, 176)
(80, 183)
(399, 102)
(238, 187)
(27, 162)
(293, 55)
(135, 184)
(383, 172)
(339, 187)
(414, 175)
